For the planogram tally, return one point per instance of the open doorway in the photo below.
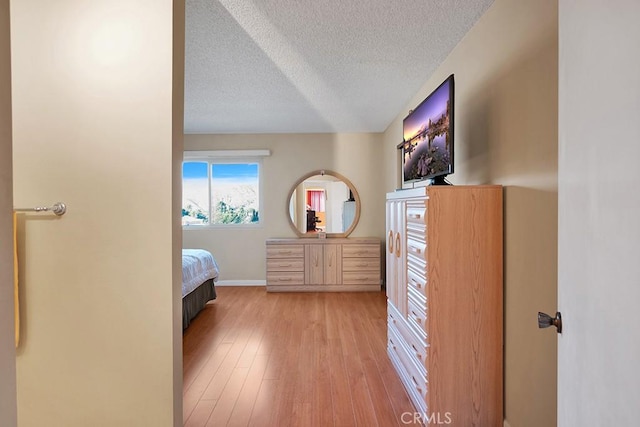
(316, 199)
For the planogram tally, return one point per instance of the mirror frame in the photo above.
(351, 187)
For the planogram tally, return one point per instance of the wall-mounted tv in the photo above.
(427, 145)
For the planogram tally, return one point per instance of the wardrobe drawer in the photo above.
(285, 264)
(417, 248)
(417, 232)
(419, 265)
(417, 315)
(416, 282)
(417, 213)
(416, 345)
(285, 251)
(416, 379)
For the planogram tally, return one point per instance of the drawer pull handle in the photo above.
(415, 216)
(416, 383)
(284, 265)
(284, 252)
(417, 352)
(284, 279)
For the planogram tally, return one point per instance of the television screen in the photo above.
(427, 147)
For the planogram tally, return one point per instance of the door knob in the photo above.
(544, 321)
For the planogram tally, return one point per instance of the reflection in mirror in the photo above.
(323, 202)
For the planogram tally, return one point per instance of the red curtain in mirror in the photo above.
(315, 199)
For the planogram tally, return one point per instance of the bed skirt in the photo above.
(195, 301)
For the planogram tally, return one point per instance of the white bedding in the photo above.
(198, 266)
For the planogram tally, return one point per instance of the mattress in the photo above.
(198, 266)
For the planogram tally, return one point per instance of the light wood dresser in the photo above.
(445, 302)
(332, 264)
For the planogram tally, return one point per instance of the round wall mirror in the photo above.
(323, 202)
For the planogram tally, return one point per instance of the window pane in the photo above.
(234, 193)
(195, 193)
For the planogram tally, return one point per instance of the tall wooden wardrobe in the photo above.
(445, 301)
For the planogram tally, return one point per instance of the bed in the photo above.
(199, 273)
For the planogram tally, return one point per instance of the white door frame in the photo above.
(8, 407)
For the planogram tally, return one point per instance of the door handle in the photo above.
(544, 321)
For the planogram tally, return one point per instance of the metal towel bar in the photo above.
(58, 208)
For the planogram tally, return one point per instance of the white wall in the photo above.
(94, 96)
(599, 230)
(7, 346)
(241, 252)
(506, 133)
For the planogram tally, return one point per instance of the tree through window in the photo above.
(220, 193)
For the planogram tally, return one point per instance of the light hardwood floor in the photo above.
(253, 358)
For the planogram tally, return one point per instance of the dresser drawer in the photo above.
(364, 250)
(285, 264)
(285, 251)
(361, 277)
(360, 264)
(285, 278)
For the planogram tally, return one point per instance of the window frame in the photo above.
(228, 157)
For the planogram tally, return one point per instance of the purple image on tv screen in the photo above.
(428, 136)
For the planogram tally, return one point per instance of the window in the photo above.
(220, 191)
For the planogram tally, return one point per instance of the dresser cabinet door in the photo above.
(314, 266)
(323, 264)
(332, 268)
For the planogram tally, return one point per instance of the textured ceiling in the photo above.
(313, 66)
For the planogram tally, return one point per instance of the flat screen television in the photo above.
(427, 145)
